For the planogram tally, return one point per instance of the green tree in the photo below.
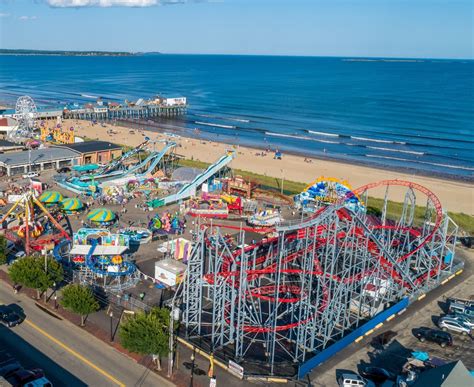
(80, 300)
(3, 250)
(147, 333)
(30, 272)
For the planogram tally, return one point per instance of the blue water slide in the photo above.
(190, 189)
(156, 157)
(76, 186)
(115, 163)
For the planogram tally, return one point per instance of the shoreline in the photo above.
(155, 128)
(456, 196)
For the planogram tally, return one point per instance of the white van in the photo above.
(354, 380)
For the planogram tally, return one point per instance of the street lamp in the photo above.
(111, 315)
(193, 358)
(55, 301)
(54, 292)
(45, 253)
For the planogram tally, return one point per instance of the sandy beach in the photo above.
(455, 196)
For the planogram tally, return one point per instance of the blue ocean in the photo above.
(416, 115)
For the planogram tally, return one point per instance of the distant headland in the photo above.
(7, 51)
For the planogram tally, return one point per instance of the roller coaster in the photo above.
(274, 304)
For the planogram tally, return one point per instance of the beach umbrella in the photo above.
(50, 197)
(72, 204)
(101, 215)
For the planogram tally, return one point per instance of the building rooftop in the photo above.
(91, 146)
(36, 156)
(6, 144)
(171, 265)
(453, 374)
(8, 121)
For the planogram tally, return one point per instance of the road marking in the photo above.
(369, 332)
(459, 272)
(391, 317)
(359, 339)
(75, 354)
(421, 297)
(378, 325)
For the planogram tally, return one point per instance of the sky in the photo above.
(362, 28)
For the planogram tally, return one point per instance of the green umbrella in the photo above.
(101, 215)
(72, 204)
(50, 197)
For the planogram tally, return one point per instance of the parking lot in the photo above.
(423, 313)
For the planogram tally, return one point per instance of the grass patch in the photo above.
(290, 188)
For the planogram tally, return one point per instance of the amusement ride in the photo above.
(30, 224)
(277, 302)
(25, 113)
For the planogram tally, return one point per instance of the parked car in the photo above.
(9, 317)
(456, 307)
(20, 254)
(433, 335)
(18, 310)
(453, 325)
(7, 364)
(377, 374)
(354, 380)
(462, 301)
(22, 376)
(466, 320)
(41, 382)
(30, 175)
(64, 170)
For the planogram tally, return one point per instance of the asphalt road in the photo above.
(68, 355)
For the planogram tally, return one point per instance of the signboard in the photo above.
(106, 238)
(236, 369)
(14, 198)
(37, 186)
(175, 101)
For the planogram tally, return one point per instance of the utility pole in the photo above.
(193, 364)
(171, 344)
(46, 272)
(45, 252)
(111, 315)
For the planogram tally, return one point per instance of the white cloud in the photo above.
(2, 14)
(116, 3)
(26, 18)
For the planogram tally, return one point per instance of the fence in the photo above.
(321, 357)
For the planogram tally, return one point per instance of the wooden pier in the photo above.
(138, 112)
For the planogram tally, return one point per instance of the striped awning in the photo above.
(101, 215)
(50, 197)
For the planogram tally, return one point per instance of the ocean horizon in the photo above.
(397, 113)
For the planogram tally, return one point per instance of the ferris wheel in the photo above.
(25, 111)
